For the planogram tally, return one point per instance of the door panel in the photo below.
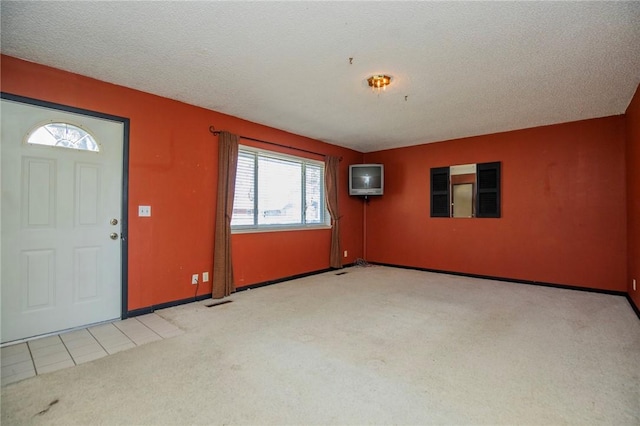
(59, 267)
(87, 194)
(37, 275)
(87, 273)
(38, 192)
(463, 200)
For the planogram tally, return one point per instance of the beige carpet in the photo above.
(373, 346)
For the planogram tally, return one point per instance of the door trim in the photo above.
(124, 240)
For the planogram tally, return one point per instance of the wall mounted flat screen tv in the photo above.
(366, 179)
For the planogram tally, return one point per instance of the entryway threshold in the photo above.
(55, 352)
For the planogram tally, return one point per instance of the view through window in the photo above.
(278, 191)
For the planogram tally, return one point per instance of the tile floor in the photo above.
(39, 356)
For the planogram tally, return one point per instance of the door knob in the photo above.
(114, 235)
(113, 221)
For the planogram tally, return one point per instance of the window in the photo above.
(277, 191)
(63, 135)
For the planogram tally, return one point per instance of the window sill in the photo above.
(279, 229)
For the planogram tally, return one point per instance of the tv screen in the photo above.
(366, 179)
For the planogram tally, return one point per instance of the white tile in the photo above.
(109, 336)
(115, 341)
(159, 325)
(17, 377)
(119, 348)
(131, 325)
(17, 355)
(24, 360)
(78, 343)
(48, 350)
(85, 350)
(55, 366)
(107, 331)
(18, 368)
(44, 342)
(104, 329)
(141, 340)
(51, 359)
(136, 331)
(89, 357)
(14, 349)
(153, 319)
(79, 340)
(75, 335)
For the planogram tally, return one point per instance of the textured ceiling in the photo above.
(459, 69)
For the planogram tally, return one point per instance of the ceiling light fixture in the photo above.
(379, 81)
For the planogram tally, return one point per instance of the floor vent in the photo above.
(213, 304)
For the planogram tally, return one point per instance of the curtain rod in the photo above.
(217, 132)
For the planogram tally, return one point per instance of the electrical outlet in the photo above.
(144, 211)
(205, 277)
(634, 284)
(194, 279)
(345, 253)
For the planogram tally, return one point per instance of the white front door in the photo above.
(60, 222)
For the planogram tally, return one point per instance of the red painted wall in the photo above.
(173, 168)
(563, 207)
(633, 194)
(564, 190)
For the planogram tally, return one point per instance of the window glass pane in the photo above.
(63, 135)
(243, 201)
(279, 191)
(314, 183)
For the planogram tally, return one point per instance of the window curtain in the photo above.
(331, 193)
(223, 284)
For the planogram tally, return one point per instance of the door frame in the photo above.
(124, 239)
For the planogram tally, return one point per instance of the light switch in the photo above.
(144, 211)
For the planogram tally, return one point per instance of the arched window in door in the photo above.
(63, 135)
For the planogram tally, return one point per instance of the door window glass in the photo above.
(63, 135)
